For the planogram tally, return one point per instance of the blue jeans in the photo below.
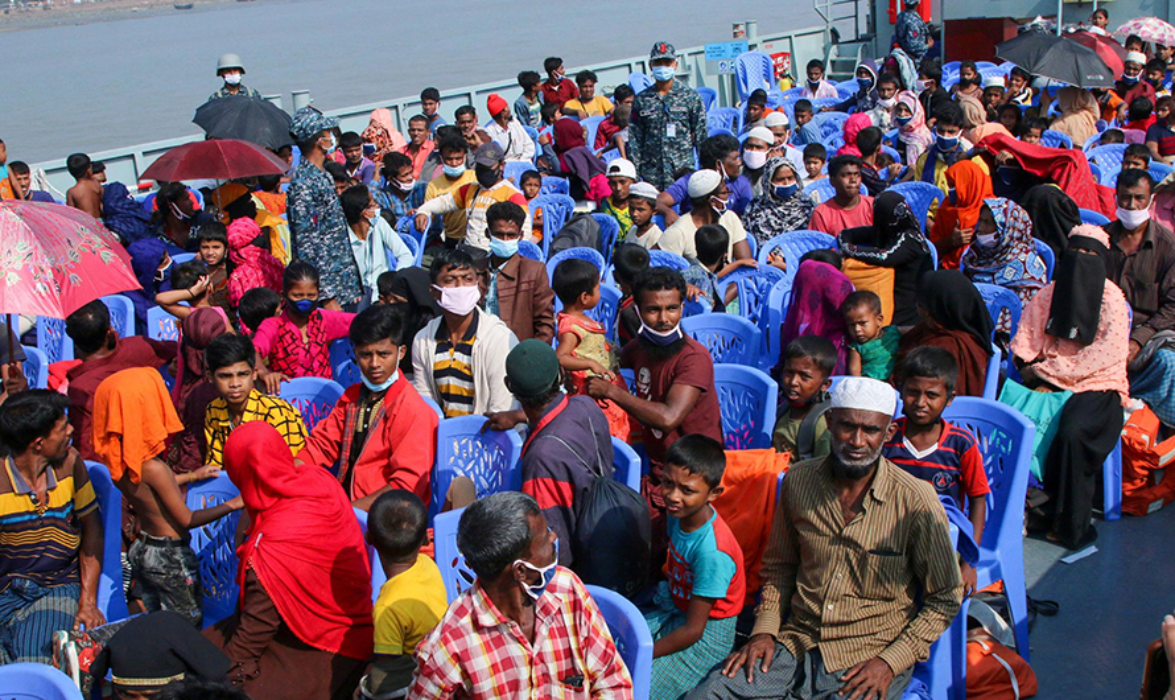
(29, 615)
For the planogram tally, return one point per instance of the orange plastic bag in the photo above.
(1142, 457)
(748, 504)
(995, 672)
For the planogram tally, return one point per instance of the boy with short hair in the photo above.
(257, 305)
(412, 600)
(430, 102)
(358, 166)
(930, 448)
(588, 103)
(815, 156)
(529, 105)
(712, 242)
(86, 194)
(816, 86)
(642, 205)
(1140, 114)
(803, 113)
(874, 345)
(693, 626)
(628, 261)
(557, 89)
(229, 362)
(1136, 156)
(808, 362)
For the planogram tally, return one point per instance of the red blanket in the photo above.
(1065, 166)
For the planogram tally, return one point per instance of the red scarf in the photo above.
(304, 543)
(1066, 167)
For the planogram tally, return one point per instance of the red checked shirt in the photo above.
(476, 653)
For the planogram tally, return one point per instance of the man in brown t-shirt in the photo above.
(674, 383)
(102, 354)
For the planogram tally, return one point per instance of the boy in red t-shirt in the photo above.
(697, 609)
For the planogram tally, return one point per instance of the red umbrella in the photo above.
(1110, 51)
(214, 159)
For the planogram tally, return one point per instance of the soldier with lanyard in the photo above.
(668, 122)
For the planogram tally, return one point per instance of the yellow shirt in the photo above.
(454, 221)
(598, 106)
(409, 606)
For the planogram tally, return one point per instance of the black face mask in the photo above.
(486, 177)
(968, 82)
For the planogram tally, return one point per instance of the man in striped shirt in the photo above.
(871, 536)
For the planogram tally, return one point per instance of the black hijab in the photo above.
(1077, 296)
(892, 217)
(1053, 214)
(413, 284)
(954, 303)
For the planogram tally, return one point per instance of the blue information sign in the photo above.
(725, 51)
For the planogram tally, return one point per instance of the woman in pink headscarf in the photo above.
(853, 126)
(381, 133)
(817, 293)
(913, 136)
(253, 266)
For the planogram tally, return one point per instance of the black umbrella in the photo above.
(1050, 56)
(247, 119)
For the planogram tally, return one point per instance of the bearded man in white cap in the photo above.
(710, 198)
(722, 154)
(871, 534)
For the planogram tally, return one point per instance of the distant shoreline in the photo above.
(65, 12)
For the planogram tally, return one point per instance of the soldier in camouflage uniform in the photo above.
(231, 70)
(667, 124)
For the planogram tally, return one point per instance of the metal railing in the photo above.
(128, 163)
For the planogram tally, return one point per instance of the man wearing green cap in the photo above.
(569, 445)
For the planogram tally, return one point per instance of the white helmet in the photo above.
(229, 60)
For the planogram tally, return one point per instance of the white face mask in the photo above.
(755, 159)
(233, 78)
(459, 301)
(889, 103)
(985, 240)
(1133, 218)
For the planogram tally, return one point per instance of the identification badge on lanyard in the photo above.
(671, 130)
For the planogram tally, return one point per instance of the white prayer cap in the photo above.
(703, 182)
(993, 81)
(776, 119)
(1136, 57)
(864, 394)
(643, 190)
(763, 134)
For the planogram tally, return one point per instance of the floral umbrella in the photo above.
(1150, 29)
(56, 259)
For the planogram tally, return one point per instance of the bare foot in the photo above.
(1169, 647)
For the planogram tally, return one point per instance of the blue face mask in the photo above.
(865, 83)
(454, 170)
(546, 575)
(953, 197)
(663, 73)
(661, 339)
(902, 121)
(503, 249)
(377, 388)
(1130, 79)
(946, 144)
(785, 192)
(304, 306)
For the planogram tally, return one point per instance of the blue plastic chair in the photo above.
(753, 284)
(378, 579)
(695, 307)
(436, 408)
(1046, 253)
(122, 314)
(340, 352)
(631, 635)
(592, 124)
(36, 368)
(1108, 159)
(406, 226)
(57, 346)
(609, 155)
(530, 250)
(1089, 216)
(413, 245)
(346, 373)
(665, 258)
(314, 397)
(554, 185)
(609, 232)
(161, 325)
(998, 299)
(215, 547)
(1056, 139)
(730, 339)
(533, 133)
(920, 196)
(29, 681)
(771, 318)
(709, 97)
(747, 399)
(1005, 441)
(723, 118)
(639, 81)
(557, 209)
(945, 671)
(821, 191)
(753, 70)
(626, 464)
(514, 169)
(991, 378)
(579, 253)
(455, 573)
(607, 309)
(830, 124)
(111, 599)
(488, 457)
(793, 245)
(1159, 171)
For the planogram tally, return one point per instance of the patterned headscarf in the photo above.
(768, 215)
(382, 133)
(915, 134)
(1011, 261)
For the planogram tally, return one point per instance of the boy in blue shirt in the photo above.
(693, 627)
(935, 450)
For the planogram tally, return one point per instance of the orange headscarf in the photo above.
(133, 419)
(971, 186)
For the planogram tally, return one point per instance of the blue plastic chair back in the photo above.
(753, 70)
(36, 368)
(609, 232)
(215, 547)
(1056, 139)
(606, 310)
(436, 408)
(57, 346)
(793, 245)
(722, 118)
(747, 399)
(406, 226)
(489, 458)
(1088, 216)
(944, 673)
(771, 319)
(820, 191)
(533, 133)
(754, 284)
(1108, 159)
(413, 245)
(29, 681)
(455, 573)
(579, 253)
(695, 307)
(554, 185)
(557, 209)
(999, 298)
(314, 397)
(530, 250)
(730, 339)
(346, 373)
(709, 97)
(1046, 253)
(920, 196)
(626, 465)
(893, 153)
(592, 124)
(991, 378)
(122, 314)
(1005, 441)
(1159, 171)
(830, 124)
(609, 155)
(340, 352)
(665, 258)
(513, 171)
(1091, 142)
(111, 599)
(631, 635)
(378, 579)
(639, 81)
(161, 325)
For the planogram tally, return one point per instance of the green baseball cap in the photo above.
(532, 368)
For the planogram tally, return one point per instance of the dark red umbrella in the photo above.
(215, 159)
(1110, 51)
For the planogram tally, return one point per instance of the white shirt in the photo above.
(372, 254)
(648, 240)
(513, 139)
(679, 238)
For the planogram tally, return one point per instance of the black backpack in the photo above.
(580, 231)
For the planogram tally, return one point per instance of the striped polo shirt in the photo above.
(954, 466)
(452, 369)
(40, 541)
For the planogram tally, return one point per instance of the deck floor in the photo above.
(1111, 606)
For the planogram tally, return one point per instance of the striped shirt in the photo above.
(954, 466)
(852, 592)
(452, 369)
(218, 423)
(40, 541)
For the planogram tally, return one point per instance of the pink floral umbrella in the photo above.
(1150, 29)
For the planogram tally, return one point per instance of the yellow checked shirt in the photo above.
(277, 412)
